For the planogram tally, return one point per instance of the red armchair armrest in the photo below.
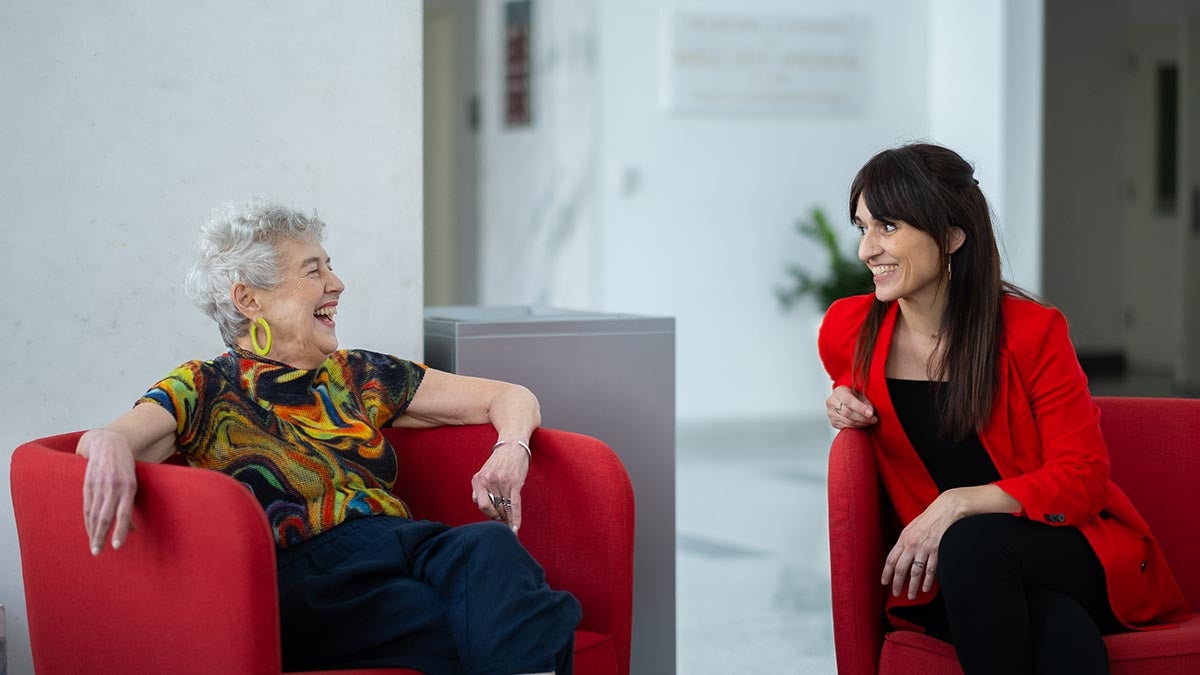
(578, 513)
(855, 552)
(192, 590)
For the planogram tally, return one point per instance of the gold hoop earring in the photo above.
(260, 350)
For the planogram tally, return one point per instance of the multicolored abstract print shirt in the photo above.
(306, 442)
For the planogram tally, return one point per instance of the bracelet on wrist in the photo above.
(523, 444)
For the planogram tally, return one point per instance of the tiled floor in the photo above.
(753, 551)
(753, 554)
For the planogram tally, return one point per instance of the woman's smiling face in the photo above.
(300, 309)
(904, 260)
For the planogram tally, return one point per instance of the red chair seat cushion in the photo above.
(366, 671)
(906, 652)
(595, 654)
(1156, 652)
(1171, 650)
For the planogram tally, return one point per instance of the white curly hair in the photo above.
(239, 244)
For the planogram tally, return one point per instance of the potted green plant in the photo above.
(846, 275)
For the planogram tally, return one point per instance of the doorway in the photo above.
(1151, 296)
(450, 153)
(1121, 164)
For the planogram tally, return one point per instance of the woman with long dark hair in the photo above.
(1015, 544)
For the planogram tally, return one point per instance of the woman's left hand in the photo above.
(914, 559)
(502, 476)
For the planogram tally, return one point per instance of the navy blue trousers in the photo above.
(383, 591)
(1018, 596)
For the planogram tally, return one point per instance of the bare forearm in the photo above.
(496, 488)
(971, 501)
(515, 412)
(445, 398)
(148, 431)
(110, 482)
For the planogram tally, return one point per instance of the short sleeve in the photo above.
(386, 384)
(179, 393)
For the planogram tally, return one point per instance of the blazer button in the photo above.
(1060, 518)
(1048, 518)
(1143, 565)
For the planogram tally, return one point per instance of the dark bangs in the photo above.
(897, 185)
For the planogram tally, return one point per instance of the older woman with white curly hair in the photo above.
(361, 584)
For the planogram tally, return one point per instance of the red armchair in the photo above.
(1154, 447)
(193, 588)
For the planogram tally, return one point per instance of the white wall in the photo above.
(707, 231)
(966, 43)
(536, 183)
(694, 215)
(122, 124)
(1023, 109)
(986, 103)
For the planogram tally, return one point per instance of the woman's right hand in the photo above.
(848, 409)
(109, 487)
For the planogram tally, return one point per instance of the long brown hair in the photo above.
(934, 189)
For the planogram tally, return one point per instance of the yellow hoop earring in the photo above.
(263, 350)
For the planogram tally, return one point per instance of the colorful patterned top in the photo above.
(306, 442)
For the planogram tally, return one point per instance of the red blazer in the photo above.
(1044, 438)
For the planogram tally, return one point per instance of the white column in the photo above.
(122, 124)
(985, 102)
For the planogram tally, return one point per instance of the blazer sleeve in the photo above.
(837, 337)
(1070, 486)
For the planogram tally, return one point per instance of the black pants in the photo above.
(383, 591)
(1018, 596)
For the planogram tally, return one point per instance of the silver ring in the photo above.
(496, 501)
(838, 410)
(918, 563)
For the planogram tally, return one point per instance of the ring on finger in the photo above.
(919, 564)
(838, 409)
(496, 500)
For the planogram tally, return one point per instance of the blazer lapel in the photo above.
(904, 476)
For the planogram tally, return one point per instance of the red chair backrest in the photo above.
(1154, 449)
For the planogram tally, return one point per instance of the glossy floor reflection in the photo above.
(752, 548)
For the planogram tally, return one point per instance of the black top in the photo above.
(951, 463)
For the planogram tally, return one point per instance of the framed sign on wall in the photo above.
(518, 63)
(721, 64)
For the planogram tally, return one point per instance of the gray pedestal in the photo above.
(611, 376)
